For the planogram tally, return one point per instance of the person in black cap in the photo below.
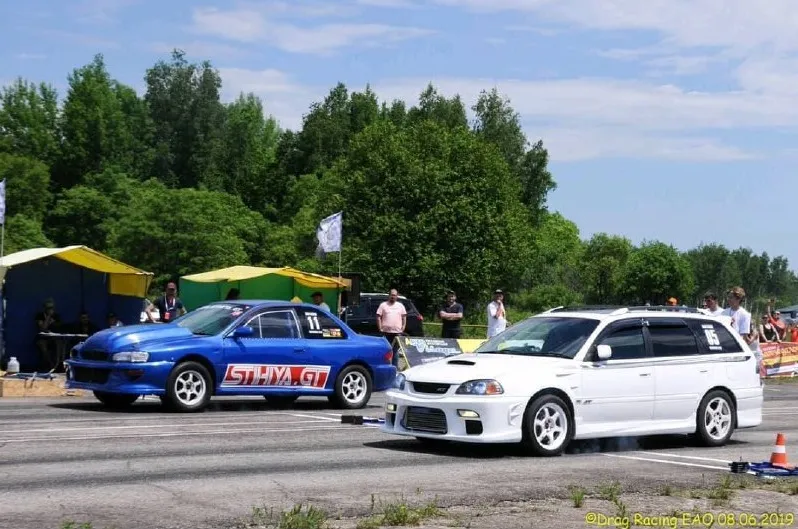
(451, 313)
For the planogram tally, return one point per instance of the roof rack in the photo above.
(622, 309)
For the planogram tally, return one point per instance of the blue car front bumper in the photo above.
(131, 378)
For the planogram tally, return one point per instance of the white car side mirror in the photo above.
(604, 352)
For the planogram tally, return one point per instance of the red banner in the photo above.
(779, 359)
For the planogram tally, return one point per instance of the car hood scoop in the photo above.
(461, 363)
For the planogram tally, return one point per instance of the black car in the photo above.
(363, 317)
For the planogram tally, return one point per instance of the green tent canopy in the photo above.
(255, 282)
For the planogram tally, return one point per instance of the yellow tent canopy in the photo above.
(123, 279)
(255, 282)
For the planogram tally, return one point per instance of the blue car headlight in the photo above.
(131, 356)
(480, 387)
(399, 381)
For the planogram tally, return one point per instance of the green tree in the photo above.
(246, 153)
(29, 121)
(23, 233)
(27, 186)
(428, 208)
(604, 263)
(557, 254)
(656, 271)
(188, 116)
(93, 123)
(174, 232)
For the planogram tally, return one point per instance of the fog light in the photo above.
(468, 414)
(390, 407)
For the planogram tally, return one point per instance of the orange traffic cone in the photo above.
(779, 456)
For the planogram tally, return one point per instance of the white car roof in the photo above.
(608, 312)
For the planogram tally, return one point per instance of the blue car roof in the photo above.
(264, 303)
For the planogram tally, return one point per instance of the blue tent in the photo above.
(77, 279)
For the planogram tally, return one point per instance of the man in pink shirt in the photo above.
(392, 318)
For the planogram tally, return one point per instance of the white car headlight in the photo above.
(399, 381)
(480, 387)
(132, 356)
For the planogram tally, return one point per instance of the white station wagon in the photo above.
(586, 373)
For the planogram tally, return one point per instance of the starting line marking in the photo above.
(678, 463)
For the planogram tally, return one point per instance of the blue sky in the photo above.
(664, 120)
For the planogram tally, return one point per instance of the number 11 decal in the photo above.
(313, 322)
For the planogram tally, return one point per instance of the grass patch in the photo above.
(75, 525)
(298, 517)
(400, 514)
(666, 490)
(609, 491)
(577, 496)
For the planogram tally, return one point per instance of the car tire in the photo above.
(116, 400)
(715, 419)
(188, 388)
(547, 418)
(280, 401)
(352, 388)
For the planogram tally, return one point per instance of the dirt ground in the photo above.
(738, 501)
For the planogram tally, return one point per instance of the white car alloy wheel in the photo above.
(190, 388)
(550, 426)
(718, 418)
(547, 427)
(354, 387)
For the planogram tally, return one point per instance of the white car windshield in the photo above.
(542, 336)
(212, 319)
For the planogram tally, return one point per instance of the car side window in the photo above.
(275, 325)
(672, 340)
(627, 343)
(319, 326)
(714, 337)
(256, 327)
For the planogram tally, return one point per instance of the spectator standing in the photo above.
(318, 300)
(392, 319)
(741, 320)
(497, 316)
(767, 331)
(169, 305)
(775, 319)
(451, 314)
(672, 302)
(711, 304)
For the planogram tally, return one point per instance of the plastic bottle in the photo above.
(13, 366)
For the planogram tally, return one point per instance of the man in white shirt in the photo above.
(497, 316)
(711, 304)
(741, 321)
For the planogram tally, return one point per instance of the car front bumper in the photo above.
(130, 378)
(463, 418)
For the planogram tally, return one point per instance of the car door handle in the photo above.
(705, 371)
(299, 349)
(645, 374)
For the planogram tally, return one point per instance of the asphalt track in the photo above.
(68, 459)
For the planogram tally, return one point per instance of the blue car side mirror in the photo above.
(243, 332)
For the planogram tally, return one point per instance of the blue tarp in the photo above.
(73, 288)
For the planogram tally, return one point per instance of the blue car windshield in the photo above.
(212, 319)
(542, 336)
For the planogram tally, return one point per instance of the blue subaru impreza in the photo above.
(276, 349)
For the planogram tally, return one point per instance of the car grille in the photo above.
(100, 356)
(430, 387)
(428, 420)
(90, 375)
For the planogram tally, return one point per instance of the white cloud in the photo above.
(30, 56)
(403, 4)
(251, 25)
(282, 98)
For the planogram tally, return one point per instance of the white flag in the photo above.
(3, 202)
(329, 233)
